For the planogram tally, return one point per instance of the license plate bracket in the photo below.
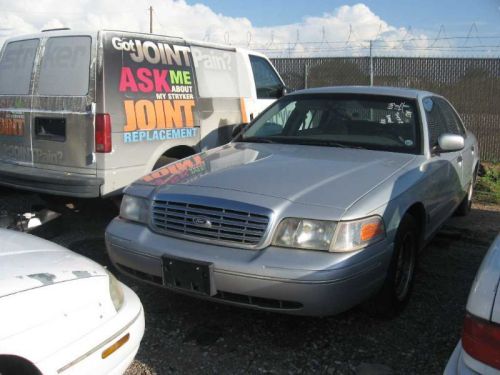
(189, 275)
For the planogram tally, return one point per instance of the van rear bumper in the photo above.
(50, 182)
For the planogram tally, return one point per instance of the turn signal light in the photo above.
(371, 230)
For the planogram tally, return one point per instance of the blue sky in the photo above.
(280, 27)
(457, 16)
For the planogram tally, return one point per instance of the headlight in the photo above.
(354, 235)
(115, 291)
(134, 209)
(305, 234)
(329, 235)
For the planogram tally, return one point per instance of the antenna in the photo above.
(150, 19)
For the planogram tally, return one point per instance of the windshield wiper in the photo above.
(316, 142)
(257, 140)
(325, 142)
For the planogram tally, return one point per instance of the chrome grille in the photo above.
(209, 222)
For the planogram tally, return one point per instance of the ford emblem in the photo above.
(202, 221)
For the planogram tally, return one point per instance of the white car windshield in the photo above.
(340, 120)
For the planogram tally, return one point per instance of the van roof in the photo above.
(67, 32)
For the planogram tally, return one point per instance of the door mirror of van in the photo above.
(450, 142)
(238, 129)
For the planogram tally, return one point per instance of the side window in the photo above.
(65, 66)
(267, 82)
(452, 122)
(16, 67)
(435, 121)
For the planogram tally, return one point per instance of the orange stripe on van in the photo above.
(244, 118)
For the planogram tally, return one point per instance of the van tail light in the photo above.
(103, 133)
(481, 340)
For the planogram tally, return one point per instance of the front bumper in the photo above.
(50, 182)
(290, 281)
(85, 355)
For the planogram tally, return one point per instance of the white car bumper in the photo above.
(460, 363)
(85, 355)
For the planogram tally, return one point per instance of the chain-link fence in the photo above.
(472, 85)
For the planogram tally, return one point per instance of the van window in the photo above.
(16, 67)
(267, 82)
(65, 66)
(219, 73)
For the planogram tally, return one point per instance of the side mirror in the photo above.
(450, 142)
(283, 92)
(237, 130)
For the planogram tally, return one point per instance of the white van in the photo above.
(83, 114)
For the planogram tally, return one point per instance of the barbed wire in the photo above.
(473, 42)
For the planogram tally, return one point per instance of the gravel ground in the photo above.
(185, 335)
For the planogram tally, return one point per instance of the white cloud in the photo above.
(344, 31)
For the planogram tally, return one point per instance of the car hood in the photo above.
(313, 175)
(28, 262)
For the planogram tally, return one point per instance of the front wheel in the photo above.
(398, 284)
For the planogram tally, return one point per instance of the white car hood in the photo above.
(28, 262)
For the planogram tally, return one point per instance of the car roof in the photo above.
(367, 90)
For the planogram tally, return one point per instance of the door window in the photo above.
(16, 67)
(452, 122)
(267, 82)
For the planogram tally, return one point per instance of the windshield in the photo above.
(356, 121)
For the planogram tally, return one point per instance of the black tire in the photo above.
(465, 206)
(162, 161)
(396, 290)
(12, 365)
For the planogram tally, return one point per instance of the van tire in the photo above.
(396, 290)
(162, 161)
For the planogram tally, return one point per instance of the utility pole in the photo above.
(150, 19)
(371, 63)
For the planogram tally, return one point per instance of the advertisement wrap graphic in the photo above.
(178, 172)
(12, 123)
(156, 84)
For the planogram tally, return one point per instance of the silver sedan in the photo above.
(322, 202)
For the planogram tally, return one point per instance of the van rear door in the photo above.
(62, 125)
(17, 62)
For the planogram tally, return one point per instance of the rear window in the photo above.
(16, 67)
(65, 66)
